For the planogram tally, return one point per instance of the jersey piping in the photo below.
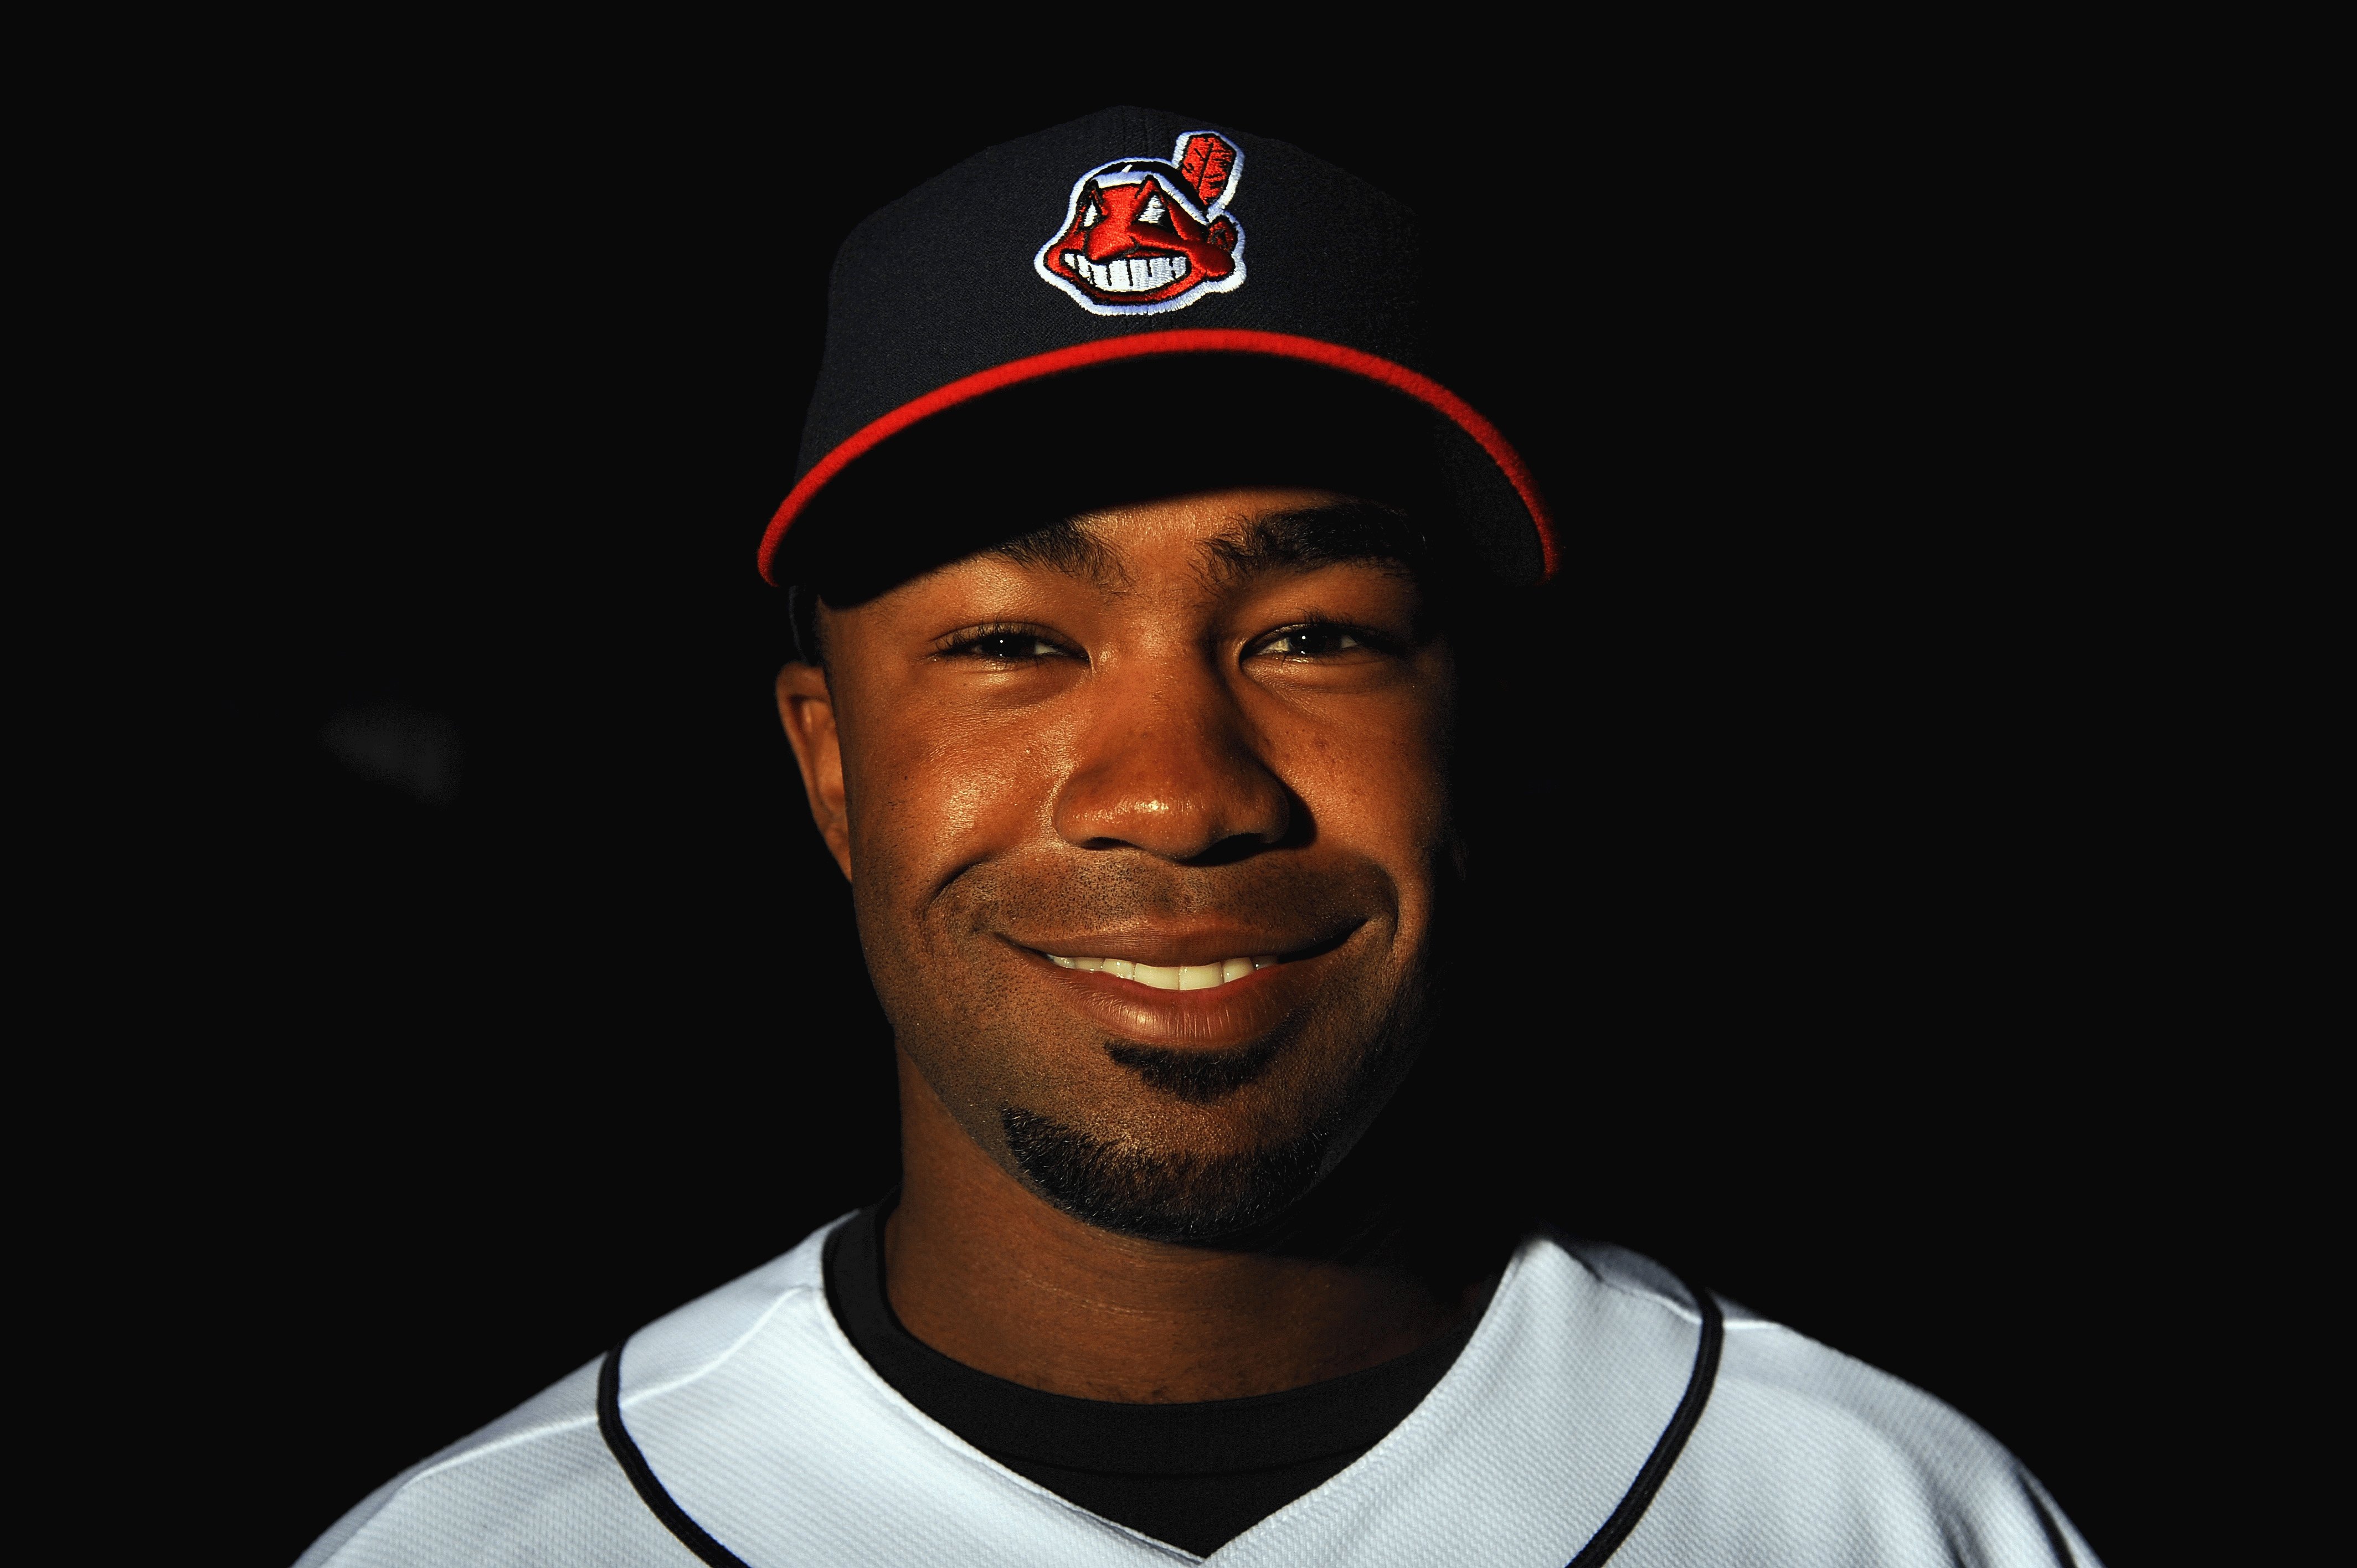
(1632, 1507)
(692, 1535)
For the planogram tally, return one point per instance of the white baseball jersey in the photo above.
(759, 1429)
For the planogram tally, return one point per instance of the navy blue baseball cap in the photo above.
(1133, 304)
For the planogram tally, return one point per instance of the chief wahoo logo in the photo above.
(1143, 235)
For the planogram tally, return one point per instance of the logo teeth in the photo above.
(1128, 274)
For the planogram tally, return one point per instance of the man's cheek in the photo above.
(930, 811)
(1388, 799)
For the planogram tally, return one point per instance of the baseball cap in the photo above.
(1131, 304)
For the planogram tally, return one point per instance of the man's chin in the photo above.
(1157, 1196)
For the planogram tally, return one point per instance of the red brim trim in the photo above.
(1279, 345)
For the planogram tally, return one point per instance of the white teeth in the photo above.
(1168, 977)
(1128, 274)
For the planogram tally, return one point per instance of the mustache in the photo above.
(1109, 891)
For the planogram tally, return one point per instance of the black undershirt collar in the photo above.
(1193, 1475)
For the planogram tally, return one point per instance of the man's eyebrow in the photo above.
(1319, 535)
(1065, 546)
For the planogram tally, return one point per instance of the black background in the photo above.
(1835, 960)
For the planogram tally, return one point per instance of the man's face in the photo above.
(1145, 819)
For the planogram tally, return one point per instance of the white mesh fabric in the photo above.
(1804, 1456)
(536, 1487)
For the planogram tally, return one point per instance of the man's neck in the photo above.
(990, 1275)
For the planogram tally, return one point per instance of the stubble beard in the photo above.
(1126, 1186)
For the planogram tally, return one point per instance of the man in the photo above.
(1132, 564)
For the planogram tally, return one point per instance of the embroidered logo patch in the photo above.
(1143, 235)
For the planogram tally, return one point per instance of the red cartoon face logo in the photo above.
(1144, 235)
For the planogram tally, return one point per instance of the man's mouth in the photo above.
(1168, 977)
(1127, 275)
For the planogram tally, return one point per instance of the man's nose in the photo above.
(1168, 765)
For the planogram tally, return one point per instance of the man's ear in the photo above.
(806, 707)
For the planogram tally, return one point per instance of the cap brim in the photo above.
(1494, 452)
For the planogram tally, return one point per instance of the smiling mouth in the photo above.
(1127, 274)
(1168, 977)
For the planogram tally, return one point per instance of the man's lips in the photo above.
(1184, 991)
(1174, 947)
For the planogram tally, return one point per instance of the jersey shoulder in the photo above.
(539, 1485)
(1804, 1455)
(536, 1481)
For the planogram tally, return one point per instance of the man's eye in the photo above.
(1007, 647)
(1311, 642)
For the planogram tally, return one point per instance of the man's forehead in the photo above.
(1222, 537)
